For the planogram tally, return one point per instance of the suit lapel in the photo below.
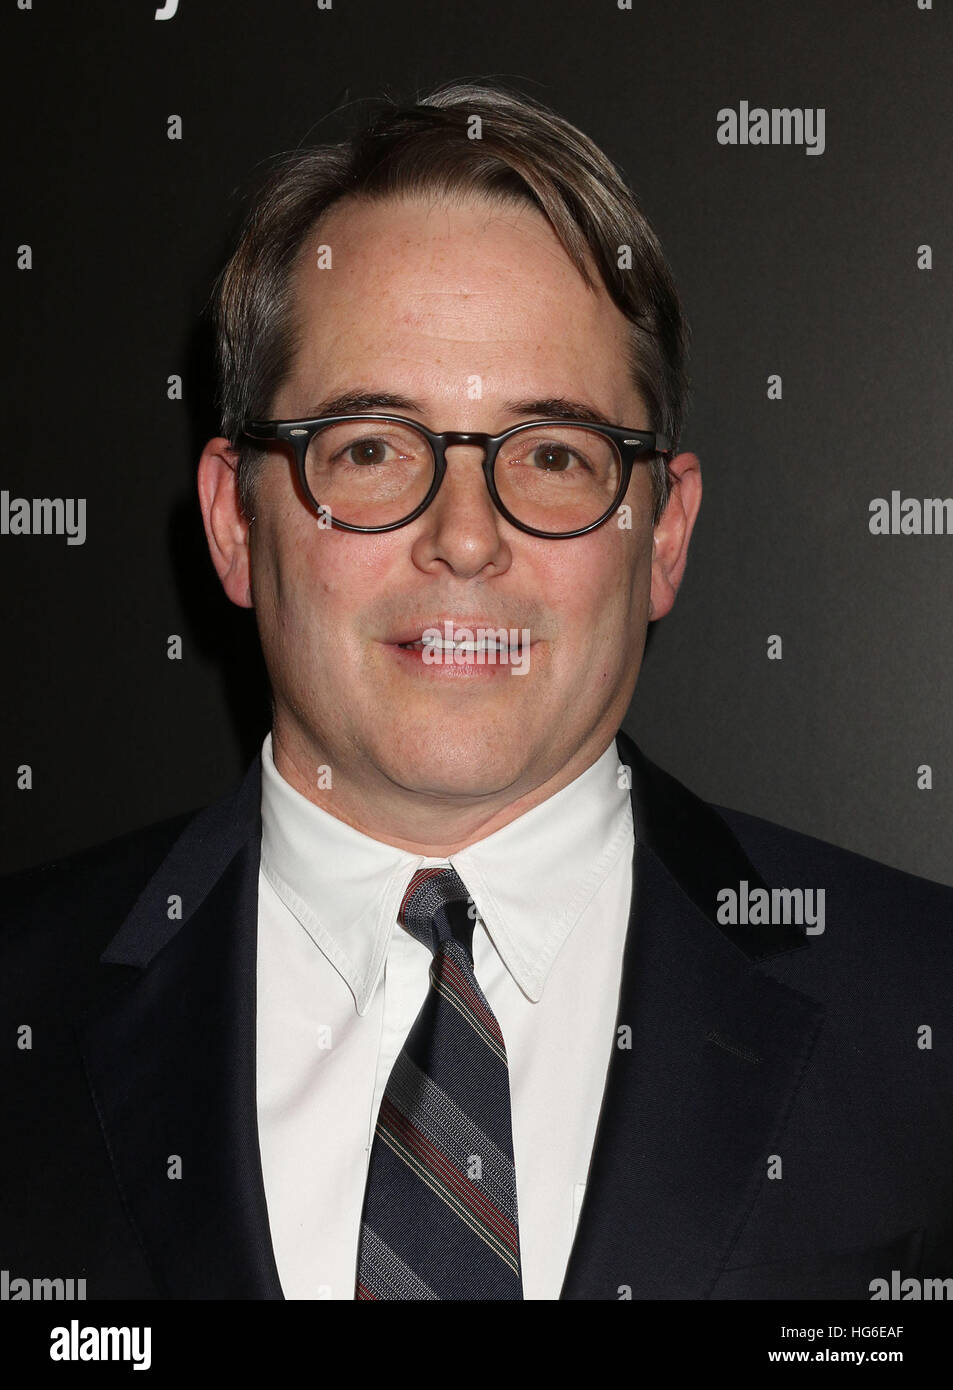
(171, 1061)
(693, 1108)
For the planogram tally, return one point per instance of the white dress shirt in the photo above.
(340, 984)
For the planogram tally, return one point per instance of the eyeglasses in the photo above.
(550, 478)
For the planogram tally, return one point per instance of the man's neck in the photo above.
(432, 825)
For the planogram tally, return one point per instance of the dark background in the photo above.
(799, 264)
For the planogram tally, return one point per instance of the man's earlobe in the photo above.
(673, 532)
(226, 526)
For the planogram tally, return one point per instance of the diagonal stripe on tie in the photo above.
(451, 982)
(451, 1131)
(388, 1277)
(451, 1185)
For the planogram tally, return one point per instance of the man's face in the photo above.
(459, 308)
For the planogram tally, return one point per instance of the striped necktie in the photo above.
(440, 1218)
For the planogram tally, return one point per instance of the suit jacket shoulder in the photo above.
(883, 930)
(75, 903)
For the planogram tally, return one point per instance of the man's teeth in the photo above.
(464, 645)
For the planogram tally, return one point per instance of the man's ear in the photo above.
(673, 533)
(226, 526)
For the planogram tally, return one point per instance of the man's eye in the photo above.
(556, 458)
(366, 451)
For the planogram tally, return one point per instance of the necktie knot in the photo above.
(436, 909)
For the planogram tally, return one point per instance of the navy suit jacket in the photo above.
(773, 1123)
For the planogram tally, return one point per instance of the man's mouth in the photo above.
(449, 644)
(479, 642)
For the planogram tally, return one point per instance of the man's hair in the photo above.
(525, 154)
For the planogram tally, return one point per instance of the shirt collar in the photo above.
(530, 881)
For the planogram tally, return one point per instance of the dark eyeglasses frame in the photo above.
(633, 446)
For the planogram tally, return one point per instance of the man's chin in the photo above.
(456, 771)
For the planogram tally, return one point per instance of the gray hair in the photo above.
(526, 154)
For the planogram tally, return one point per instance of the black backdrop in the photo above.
(804, 266)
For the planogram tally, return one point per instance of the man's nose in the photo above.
(462, 526)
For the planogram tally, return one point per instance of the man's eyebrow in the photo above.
(355, 402)
(545, 408)
(557, 408)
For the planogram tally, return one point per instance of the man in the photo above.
(459, 996)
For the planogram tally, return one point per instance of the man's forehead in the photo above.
(458, 246)
(526, 329)
(401, 219)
